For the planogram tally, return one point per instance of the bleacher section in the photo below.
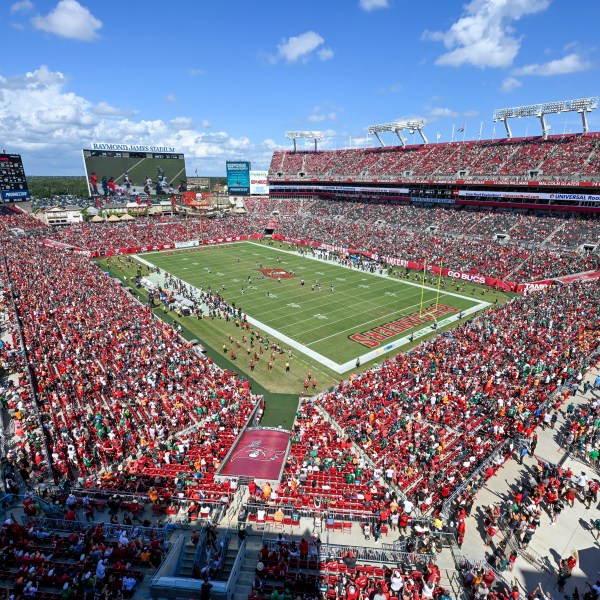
(557, 159)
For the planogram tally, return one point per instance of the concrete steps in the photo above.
(247, 569)
(187, 560)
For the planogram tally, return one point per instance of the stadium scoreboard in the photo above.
(153, 170)
(13, 183)
(238, 177)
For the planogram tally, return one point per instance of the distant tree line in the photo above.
(48, 186)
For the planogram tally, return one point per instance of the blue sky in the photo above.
(225, 79)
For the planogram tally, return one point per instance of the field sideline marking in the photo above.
(288, 340)
(347, 366)
(307, 315)
(383, 276)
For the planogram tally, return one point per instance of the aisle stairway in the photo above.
(247, 571)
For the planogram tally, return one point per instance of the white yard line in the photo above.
(368, 356)
(335, 264)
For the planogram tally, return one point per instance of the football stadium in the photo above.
(365, 373)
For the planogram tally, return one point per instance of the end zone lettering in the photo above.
(372, 337)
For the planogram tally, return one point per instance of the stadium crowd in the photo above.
(116, 389)
(463, 240)
(96, 561)
(432, 415)
(120, 403)
(554, 159)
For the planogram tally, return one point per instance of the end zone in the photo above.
(259, 453)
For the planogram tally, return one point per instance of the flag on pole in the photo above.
(461, 128)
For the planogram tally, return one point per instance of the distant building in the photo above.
(197, 182)
(60, 215)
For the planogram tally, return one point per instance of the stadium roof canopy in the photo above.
(581, 105)
(309, 135)
(398, 126)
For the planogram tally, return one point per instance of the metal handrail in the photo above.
(482, 563)
(167, 560)
(109, 530)
(446, 507)
(330, 552)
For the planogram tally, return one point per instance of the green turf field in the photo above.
(317, 323)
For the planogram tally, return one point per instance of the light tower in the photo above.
(309, 135)
(397, 127)
(581, 106)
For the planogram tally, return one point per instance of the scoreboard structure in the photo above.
(135, 169)
(238, 177)
(13, 184)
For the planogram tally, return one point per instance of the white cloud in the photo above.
(49, 125)
(107, 110)
(319, 114)
(302, 47)
(170, 98)
(484, 35)
(21, 6)
(360, 142)
(369, 5)
(510, 84)
(441, 113)
(471, 114)
(69, 19)
(319, 117)
(205, 123)
(325, 54)
(571, 63)
(195, 72)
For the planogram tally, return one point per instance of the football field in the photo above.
(331, 313)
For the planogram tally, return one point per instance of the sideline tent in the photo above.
(182, 304)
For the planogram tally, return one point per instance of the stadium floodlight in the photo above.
(309, 135)
(580, 105)
(397, 127)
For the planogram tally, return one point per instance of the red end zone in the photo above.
(259, 454)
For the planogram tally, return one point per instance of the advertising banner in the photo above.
(259, 184)
(338, 188)
(431, 200)
(528, 195)
(238, 177)
(400, 262)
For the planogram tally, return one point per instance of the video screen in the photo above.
(134, 173)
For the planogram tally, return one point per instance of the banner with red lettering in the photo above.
(533, 286)
(585, 276)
